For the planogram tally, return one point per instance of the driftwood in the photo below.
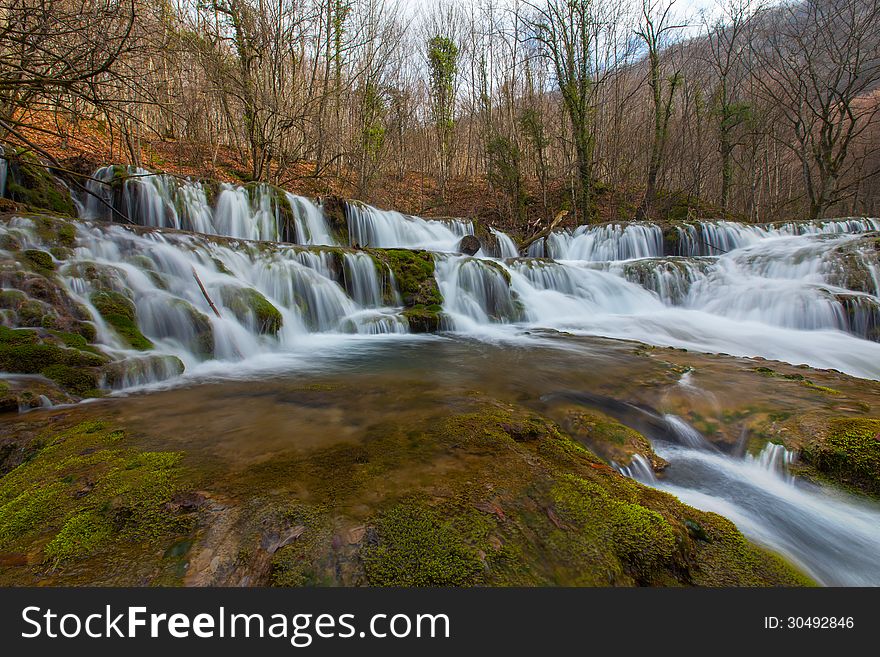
(205, 292)
(527, 242)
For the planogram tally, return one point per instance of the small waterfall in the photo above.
(686, 434)
(639, 469)
(369, 226)
(774, 458)
(719, 237)
(362, 280)
(311, 225)
(267, 299)
(669, 278)
(477, 290)
(537, 249)
(506, 248)
(256, 212)
(251, 214)
(606, 242)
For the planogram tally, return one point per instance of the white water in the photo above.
(369, 226)
(506, 248)
(776, 298)
(313, 292)
(164, 201)
(831, 536)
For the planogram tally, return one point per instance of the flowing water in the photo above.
(800, 293)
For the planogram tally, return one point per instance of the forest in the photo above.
(508, 110)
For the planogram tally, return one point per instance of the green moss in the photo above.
(300, 563)
(640, 538)
(246, 302)
(78, 381)
(84, 492)
(81, 535)
(610, 439)
(414, 274)
(67, 234)
(850, 453)
(31, 183)
(423, 319)
(32, 358)
(119, 312)
(41, 260)
(415, 546)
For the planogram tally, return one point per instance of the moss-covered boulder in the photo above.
(63, 358)
(413, 274)
(613, 441)
(251, 307)
(119, 312)
(849, 453)
(30, 183)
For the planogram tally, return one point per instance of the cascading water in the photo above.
(608, 242)
(715, 238)
(831, 536)
(369, 226)
(256, 212)
(267, 299)
(799, 292)
(780, 297)
(506, 248)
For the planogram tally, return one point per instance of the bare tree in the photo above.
(818, 62)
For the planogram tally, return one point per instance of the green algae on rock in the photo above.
(83, 493)
(849, 453)
(119, 312)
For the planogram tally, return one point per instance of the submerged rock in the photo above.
(487, 493)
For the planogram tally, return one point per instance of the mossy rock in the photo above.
(31, 184)
(849, 453)
(424, 319)
(132, 371)
(81, 382)
(335, 212)
(614, 442)
(414, 275)
(202, 341)
(40, 260)
(119, 312)
(414, 545)
(84, 492)
(247, 304)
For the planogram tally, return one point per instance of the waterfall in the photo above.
(639, 469)
(607, 242)
(831, 536)
(268, 299)
(477, 290)
(369, 226)
(311, 225)
(715, 238)
(506, 248)
(256, 212)
(774, 458)
(685, 433)
(362, 280)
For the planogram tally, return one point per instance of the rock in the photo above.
(468, 245)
